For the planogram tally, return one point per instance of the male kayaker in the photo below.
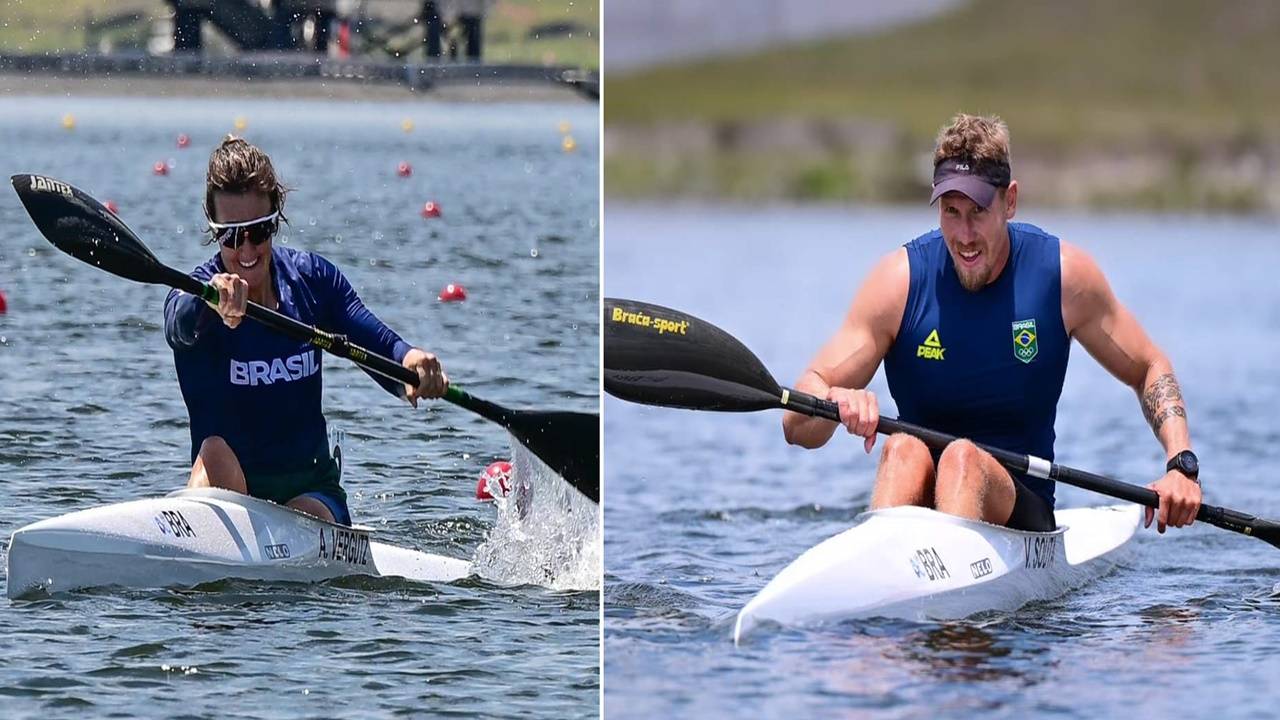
(973, 322)
(253, 394)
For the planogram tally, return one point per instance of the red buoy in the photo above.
(184, 141)
(111, 206)
(160, 168)
(453, 293)
(4, 306)
(404, 169)
(344, 39)
(496, 475)
(430, 210)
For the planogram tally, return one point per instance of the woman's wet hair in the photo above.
(237, 166)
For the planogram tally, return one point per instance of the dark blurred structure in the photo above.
(440, 17)
(252, 26)
(414, 44)
(309, 25)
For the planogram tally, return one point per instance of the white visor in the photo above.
(246, 223)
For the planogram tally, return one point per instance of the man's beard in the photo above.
(975, 280)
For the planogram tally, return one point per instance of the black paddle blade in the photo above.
(81, 227)
(659, 356)
(568, 442)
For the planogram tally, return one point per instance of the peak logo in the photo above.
(261, 372)
(932, 348)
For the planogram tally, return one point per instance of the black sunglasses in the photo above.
(255, 232)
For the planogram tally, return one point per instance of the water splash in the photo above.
(546, 532)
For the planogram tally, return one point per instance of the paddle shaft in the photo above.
(578, 465)
(329, 342)
(655, 355)
(1225, 518)
(575, 461)
(79, 225)
(342, 347)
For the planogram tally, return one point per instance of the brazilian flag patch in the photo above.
(1025, 347)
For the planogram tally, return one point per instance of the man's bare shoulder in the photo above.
(883, 296)
(1085, 291)
(891, 273)
(1080, 272)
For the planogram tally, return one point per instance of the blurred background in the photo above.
(1142, 104)
(418, 45)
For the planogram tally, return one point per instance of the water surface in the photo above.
(90, 411)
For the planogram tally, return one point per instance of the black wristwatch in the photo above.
(1186, 463)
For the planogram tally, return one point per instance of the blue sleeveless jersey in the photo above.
(985, 365)
(256, 388)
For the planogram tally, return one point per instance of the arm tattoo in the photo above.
(1162, 400)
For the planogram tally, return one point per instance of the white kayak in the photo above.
(920, 564)
(194, 536)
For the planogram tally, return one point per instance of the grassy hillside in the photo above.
(1172, 103)
(512, 32)
(1058, 71)
(31, 26)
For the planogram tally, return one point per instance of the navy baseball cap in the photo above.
(977, 179)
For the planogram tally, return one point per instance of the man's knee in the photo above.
(960, 454)
(906, 473)
(963, 463)
(901, 447)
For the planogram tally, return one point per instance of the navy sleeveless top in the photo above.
(985, 365)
